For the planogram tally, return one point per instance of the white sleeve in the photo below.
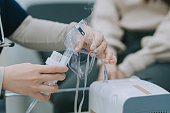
(1, 77)
(106, 19)
(41, 35)
(155, 48)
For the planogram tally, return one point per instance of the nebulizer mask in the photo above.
(80, 33)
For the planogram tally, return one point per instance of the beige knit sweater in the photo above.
(110, 16)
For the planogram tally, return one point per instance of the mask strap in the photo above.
(76, 94)
(85, 80)
(76, 59)
(105, 72)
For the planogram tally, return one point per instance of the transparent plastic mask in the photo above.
(74, 36)
(78, 61)
(81, 33)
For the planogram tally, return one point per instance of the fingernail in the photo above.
(77, 49)
(66, 68)
(92, 47)
(95, 52)
(106, 61)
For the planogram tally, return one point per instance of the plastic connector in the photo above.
(54, 59)
(57, 58)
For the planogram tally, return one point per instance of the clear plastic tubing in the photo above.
(66, 57)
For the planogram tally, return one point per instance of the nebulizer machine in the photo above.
(78, 34)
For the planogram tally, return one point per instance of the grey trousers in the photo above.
(158, 73)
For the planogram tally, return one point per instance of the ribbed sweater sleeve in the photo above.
(155, 48)
(105, 18)
(41, 35)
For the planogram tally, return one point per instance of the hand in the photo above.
(94, 41)
(28, 79)
(113, 72)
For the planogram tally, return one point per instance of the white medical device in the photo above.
(128, 96)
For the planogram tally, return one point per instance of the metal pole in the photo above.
(9, 94)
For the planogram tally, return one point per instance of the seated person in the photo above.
(138, 33)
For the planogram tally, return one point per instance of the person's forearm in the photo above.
(154, 49)
(1, 77)
(41, 35)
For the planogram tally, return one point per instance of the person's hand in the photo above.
(113, 72)
(94, 41)
(28, 79)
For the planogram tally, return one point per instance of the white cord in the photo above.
(34, 102)
(105, 73)
(76, 95)
(88, 65)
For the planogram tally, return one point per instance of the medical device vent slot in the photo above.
(159, 112)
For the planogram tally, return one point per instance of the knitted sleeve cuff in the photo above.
(137, 62)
